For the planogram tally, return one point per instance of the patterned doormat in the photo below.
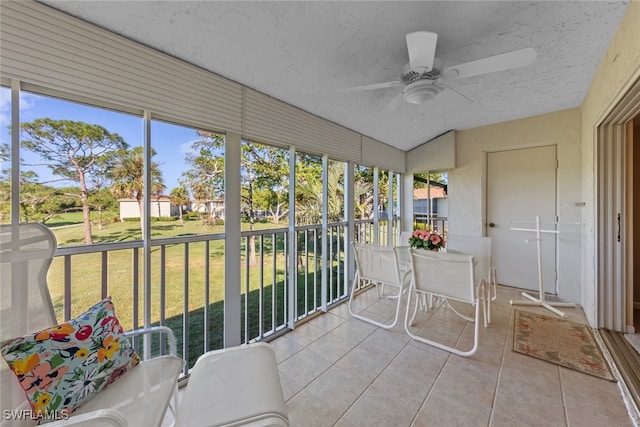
(558, 341)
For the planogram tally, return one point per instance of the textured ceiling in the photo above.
(303, 52)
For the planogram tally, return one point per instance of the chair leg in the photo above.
(476, 330)
(493, 291)
(484, 295)
(367, 319)
(415, 309)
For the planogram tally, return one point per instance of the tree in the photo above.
(127, 175)
(42, 202)
(309, 196)
(419, 179)
(179, 197)
(205, 178)
(363, 192)
(74, 151)
(5, 185)
(261, 167)
(107, 205)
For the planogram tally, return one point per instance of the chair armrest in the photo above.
(99, 418)
(156, 329)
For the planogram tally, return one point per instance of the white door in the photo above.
(521, 184)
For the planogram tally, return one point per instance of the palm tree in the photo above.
(179, 197)
(127, 175)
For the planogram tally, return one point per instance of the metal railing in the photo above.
(437, 223)
(365, 231)
(187, 283)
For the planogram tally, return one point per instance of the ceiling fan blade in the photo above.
(394, 104)
(371, 87)
(491, 64)
(422, 50)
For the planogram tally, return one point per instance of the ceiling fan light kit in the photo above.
(420, 91)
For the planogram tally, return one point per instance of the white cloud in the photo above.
(186, 148)
(27, 101)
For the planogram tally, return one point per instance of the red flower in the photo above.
(84, 332)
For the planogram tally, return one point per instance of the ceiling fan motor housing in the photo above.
(421, 91)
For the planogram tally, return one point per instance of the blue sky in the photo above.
(170, 141)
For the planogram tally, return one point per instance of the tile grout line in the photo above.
(331, 365)
(374, 379)
(504, 352)
(430, 392)
(564, 398)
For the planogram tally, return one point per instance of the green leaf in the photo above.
(56, 361)
(22, 347)
(55, 402)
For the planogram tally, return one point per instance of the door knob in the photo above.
(491, 225)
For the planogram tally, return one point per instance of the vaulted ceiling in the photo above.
(304, 52)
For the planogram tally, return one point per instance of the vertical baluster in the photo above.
(207, 344)
(104, 271)
(274, 283)
(315, 269)
(246, 289)
(163, 301)
(261, 290)
(331, 265)
(285, 288)
(306, 272)
(337, 250)
(136, 274)
(185, 315)
(67, 287)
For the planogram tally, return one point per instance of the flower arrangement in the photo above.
(426, 239)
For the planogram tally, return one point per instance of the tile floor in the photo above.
(338, 370)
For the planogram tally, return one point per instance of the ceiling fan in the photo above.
(422, 78)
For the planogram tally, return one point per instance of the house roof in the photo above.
(436, 193)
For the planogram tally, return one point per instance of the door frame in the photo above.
(611, 185)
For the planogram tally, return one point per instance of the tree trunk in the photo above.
(86, 217)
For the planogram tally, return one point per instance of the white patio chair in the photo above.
(404, 238)
(139, 397)
(449, 276)
(480, 248)
(376, 265)
(232, 387)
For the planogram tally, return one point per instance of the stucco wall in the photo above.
(618, 69)
(129, 209)
(467, 182)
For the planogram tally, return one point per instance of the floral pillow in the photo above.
(65, 366)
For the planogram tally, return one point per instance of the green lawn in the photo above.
(86, 279)
(68, 218)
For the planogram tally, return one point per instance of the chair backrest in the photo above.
(404, 238)
(376, 263)
(26, 251)
(478, 247)
(444, 274)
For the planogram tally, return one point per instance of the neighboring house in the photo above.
(438, 197)
(215, 208)
(160, 207)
